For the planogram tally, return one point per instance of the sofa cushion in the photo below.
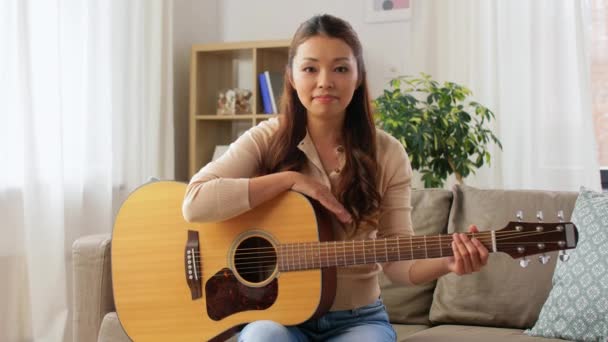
(111, 330)
(405, 330)
(463, 333)
(431, 208)
(502, 294)
(577, 307)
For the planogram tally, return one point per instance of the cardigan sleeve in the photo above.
(220, 190)
(395, 218)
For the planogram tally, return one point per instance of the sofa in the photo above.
(498, 303)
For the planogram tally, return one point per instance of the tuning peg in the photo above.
(539, 215)
(563, 256)
(519, 215)
(544, 259)
(524, 262)
(560, 215)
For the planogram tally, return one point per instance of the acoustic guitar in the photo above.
(180, 281)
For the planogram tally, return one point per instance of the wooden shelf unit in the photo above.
(221, 66)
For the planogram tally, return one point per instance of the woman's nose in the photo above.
(325, 80)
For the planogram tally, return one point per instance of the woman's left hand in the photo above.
(470, 255)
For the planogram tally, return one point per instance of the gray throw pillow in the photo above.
(502, 294)
(577, 307)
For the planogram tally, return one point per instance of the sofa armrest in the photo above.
(92, 280)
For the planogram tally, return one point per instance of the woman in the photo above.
(325, 146)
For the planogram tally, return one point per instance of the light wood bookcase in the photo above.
(216, 67)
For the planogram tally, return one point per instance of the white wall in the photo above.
(384, 44)
(194, 22)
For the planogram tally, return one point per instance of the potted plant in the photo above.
(441, 130)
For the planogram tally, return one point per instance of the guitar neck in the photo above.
(314, 255)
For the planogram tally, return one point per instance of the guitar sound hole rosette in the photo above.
(254, 259)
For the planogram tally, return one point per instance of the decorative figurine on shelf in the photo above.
(221, 103)
(234, 101)
(242, 104)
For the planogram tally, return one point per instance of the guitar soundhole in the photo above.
(255, 259)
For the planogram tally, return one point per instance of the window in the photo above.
(599, 80)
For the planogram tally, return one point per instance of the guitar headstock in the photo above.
(521, 239)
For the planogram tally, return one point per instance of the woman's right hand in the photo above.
(312, 188)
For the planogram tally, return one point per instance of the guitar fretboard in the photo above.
(314, 255)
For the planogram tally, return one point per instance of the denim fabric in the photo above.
(366, 324)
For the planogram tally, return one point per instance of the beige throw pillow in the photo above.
(411, 305)
(503, 294)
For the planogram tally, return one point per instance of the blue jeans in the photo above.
(366, 324)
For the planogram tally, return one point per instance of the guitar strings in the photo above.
(273, 263)
(405, 249)
(314, 265)
(296, 262)
(433, 242)
(342, 261)
(315, 252)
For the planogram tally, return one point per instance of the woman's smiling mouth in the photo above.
(324, 98)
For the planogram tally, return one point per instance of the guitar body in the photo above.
(178, 281)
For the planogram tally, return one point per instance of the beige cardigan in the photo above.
(220, 190)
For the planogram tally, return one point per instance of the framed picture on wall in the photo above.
(386, 10)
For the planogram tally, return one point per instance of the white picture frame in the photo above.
(374, 13)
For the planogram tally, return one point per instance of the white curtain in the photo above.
(528, 61)
(85, 116)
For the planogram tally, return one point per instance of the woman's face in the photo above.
(325, 76)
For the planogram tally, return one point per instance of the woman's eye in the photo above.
(341, 69)
(308, 69)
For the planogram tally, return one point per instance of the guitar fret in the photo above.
(305, 261)
(312, 255)
(411, 248)
(395, 248)
(375, 257)
(385, 251)
(440, 247)
(354, 254)
(320, 258)
(287, 256)
(281, 247)
(335, 253)
(327, 254)
(321, 253)
(398, 249)
(426, 250)
(344, 252)
(294, 256)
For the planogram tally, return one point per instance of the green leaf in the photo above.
(446, 124)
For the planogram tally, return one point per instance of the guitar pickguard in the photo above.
(225, 295)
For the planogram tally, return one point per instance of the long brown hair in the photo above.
(357, 188)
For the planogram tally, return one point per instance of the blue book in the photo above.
(265, 93)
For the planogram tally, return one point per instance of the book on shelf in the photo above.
(265, 92)
(271, 87)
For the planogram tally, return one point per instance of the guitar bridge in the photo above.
(193, 264)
